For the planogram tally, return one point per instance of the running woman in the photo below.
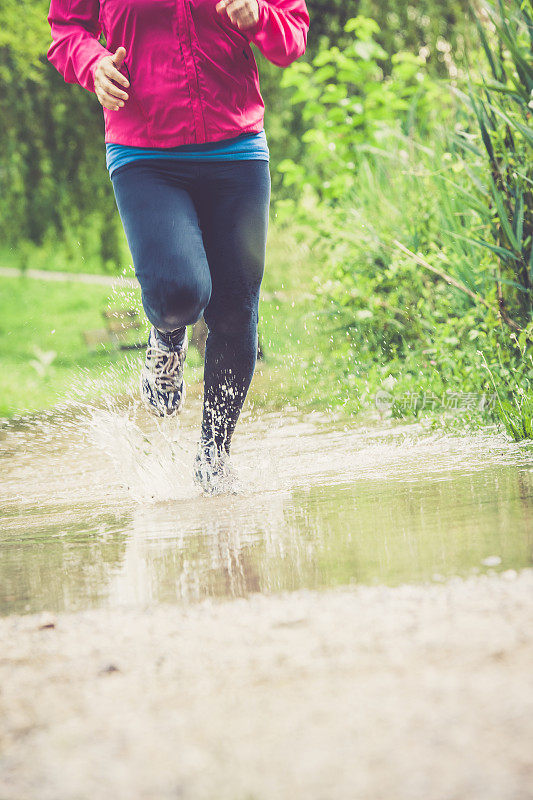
(189, 164)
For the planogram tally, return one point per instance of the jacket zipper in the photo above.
(199, 118)
(133, 96)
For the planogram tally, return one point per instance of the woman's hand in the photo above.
(243, 14)
(107, 71)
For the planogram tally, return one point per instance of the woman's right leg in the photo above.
(165, 240)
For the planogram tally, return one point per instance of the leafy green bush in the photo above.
(351, 107)
(404, 221)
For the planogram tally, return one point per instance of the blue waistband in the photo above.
(243, 146)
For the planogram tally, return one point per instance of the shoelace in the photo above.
(165, 367)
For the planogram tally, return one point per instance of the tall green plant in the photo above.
(498, 161)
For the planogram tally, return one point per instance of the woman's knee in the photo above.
(174, 304)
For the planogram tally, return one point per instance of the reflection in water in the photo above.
(58, 565)
(98, 507)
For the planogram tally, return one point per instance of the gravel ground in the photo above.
(370, 693)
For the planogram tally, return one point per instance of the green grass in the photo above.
(44, 359)
(44, 321)
(39, 318)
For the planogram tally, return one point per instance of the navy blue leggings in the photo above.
(197, 235)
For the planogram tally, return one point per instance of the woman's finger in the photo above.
(112, 103)
(232, 6)
(110, 88)
(108, 103)
(240, 13)
(119, 57)
(112, 72)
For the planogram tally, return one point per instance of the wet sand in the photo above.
(365, 693)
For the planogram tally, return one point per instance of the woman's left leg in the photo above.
(232, 200)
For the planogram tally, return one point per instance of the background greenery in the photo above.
(400, 245)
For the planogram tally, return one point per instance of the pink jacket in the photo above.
(193, 76)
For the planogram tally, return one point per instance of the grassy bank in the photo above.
(45, 359)
(312, 361)
(43, 355)
(417, 210)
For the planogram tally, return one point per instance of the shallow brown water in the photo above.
(97, 508)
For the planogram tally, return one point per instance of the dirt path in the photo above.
(372, 693)
(119, 281)
(70, 277)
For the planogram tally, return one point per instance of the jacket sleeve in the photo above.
(281, 30)
(75, 49)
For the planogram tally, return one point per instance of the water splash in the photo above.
(98, 505)
(152, 459)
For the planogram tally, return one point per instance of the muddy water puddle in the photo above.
(98, 508)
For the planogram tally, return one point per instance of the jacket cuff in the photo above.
(263, 11)
(100, 52)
